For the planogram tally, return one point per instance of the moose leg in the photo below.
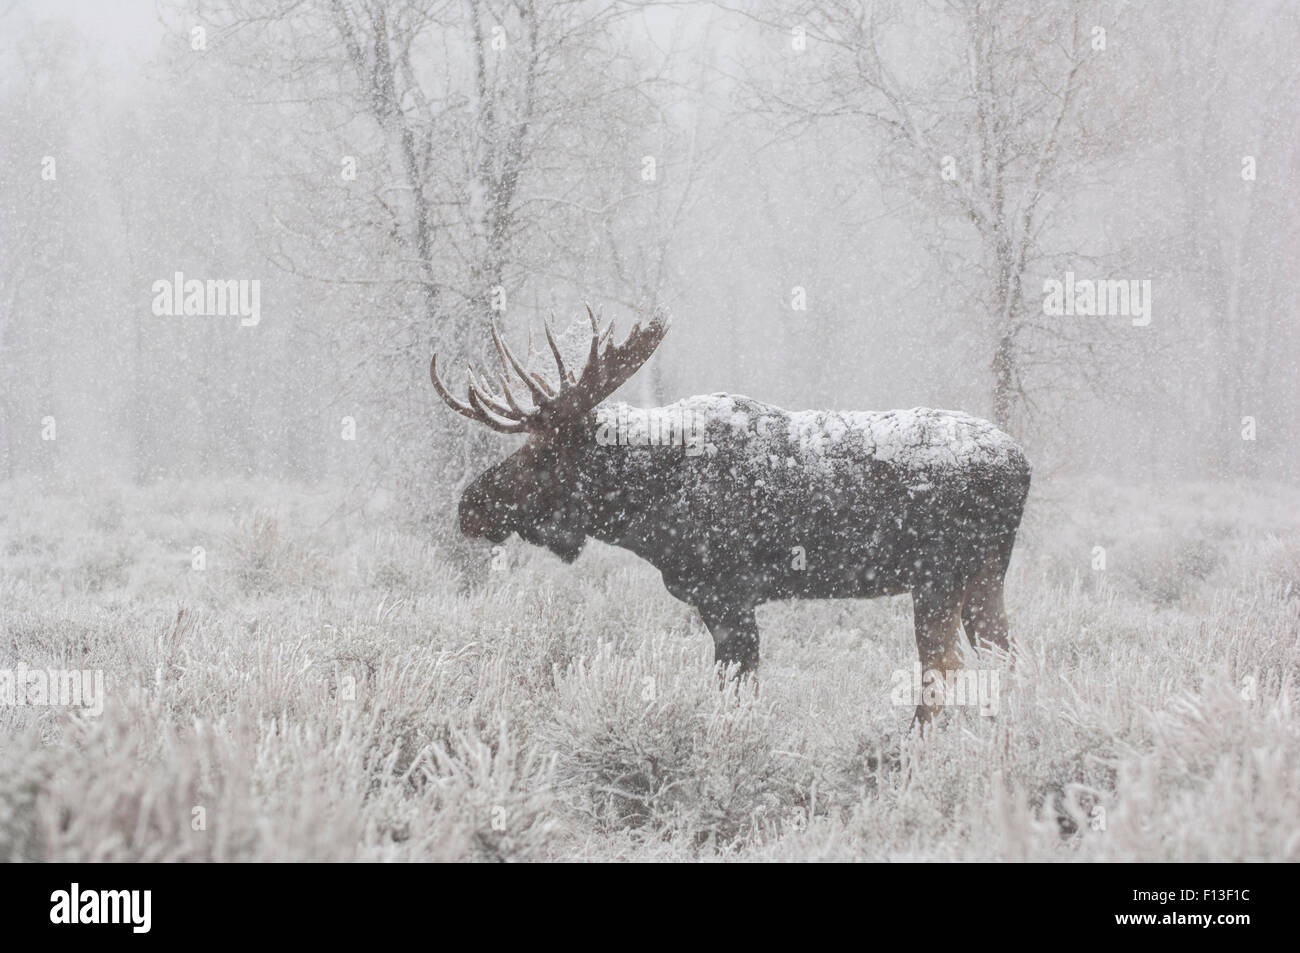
(983, 614)
(735, 635)
(936, 609)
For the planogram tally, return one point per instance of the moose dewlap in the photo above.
(738, 502)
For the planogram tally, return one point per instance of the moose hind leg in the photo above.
(983, 613)
(936, 609)
(735, 636)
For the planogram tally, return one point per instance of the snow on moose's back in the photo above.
(919, 439)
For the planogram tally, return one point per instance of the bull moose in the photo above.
(738, 502)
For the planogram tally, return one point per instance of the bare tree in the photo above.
(438, 166)
(992, 138)
(1232, 216)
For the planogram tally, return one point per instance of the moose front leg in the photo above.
(735, 635)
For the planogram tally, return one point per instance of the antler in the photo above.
(607, 367)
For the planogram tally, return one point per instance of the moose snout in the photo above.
(476, 522)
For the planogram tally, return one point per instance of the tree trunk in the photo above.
(1004, 376)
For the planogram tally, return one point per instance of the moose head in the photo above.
(541, 491)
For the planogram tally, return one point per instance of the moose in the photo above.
(764, 504)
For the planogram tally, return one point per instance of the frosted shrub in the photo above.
(1167, 567)
(264, 561)
(650, 742)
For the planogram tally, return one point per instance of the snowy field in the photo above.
(261, 259)
(326, 689)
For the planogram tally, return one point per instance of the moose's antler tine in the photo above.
(445, 394)
(618, 362)
(501, 350)
(565, 376)
(504, 426)
(537, 376)
(510, 396)
(480, 387)
(543, 383)
(539, 395)
(474, 410)
(593, 353)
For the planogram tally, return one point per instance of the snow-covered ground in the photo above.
(328, 689)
